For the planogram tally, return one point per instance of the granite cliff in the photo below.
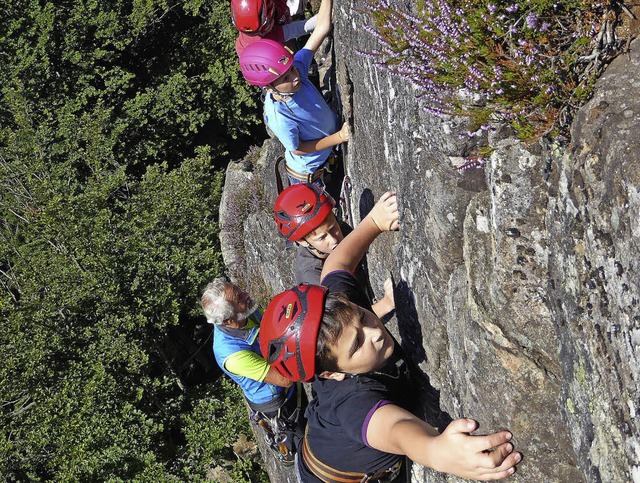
(518, 285)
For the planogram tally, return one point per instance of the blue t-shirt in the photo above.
(304, 117)
(227, 342)
(339, 415)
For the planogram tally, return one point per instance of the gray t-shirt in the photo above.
(308, 266)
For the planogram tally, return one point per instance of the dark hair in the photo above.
(337, 314)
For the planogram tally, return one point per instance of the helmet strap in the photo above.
(314, 250)
(284, 96)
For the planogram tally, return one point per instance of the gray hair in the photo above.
(214, 302)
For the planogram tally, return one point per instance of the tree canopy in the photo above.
(116, 118)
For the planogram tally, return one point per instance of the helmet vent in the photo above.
(284, 368)
(273, 353)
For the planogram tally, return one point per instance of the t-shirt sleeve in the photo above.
(302, 60)
(286, 130)
(289, 135)
(355, 411)
(247, 364)
(343, 281)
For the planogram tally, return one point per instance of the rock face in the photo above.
(593, 221)
(518, 284)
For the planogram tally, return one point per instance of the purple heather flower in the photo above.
(512, 8)
(532, 20)
(545, 26)
(492, 8)
(513, 29)
(549, 90)
(472, 163)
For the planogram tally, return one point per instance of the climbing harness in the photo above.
(279, 184)
(279, 429)
(327, 168)
(274, 436)
(328, 474)
(317, 174)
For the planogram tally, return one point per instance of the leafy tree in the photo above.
(163, 73)
(109, 194)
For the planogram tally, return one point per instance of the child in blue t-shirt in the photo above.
(294, 109)
(360, 425)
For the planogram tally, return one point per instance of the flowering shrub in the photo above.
(527, 63)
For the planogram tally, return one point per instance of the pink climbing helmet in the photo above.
(264, 61)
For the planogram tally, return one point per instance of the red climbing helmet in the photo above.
(300, 209)
(264, 61)
(252, 16)
(289, 331)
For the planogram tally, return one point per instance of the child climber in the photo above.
(268, 19)
(294, 109)
(304, 215)
(359, 424)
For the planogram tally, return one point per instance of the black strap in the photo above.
(279, 184)
(271, 406)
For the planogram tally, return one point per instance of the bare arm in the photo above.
(349, 252)
(323, 26)
(276, 379)
(315, 145)
(247, 363)
(455, 451)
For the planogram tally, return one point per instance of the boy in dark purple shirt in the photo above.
(360, 424)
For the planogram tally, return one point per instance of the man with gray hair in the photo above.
(274, 400)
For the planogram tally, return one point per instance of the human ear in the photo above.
(336, 376)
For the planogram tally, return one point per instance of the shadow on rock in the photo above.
(412, 342)
(367, 200)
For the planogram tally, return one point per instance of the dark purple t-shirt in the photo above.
(339, 415)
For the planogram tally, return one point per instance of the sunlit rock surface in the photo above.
(518, 284)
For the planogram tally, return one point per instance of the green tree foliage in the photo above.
(159, 71)
(109, 194)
